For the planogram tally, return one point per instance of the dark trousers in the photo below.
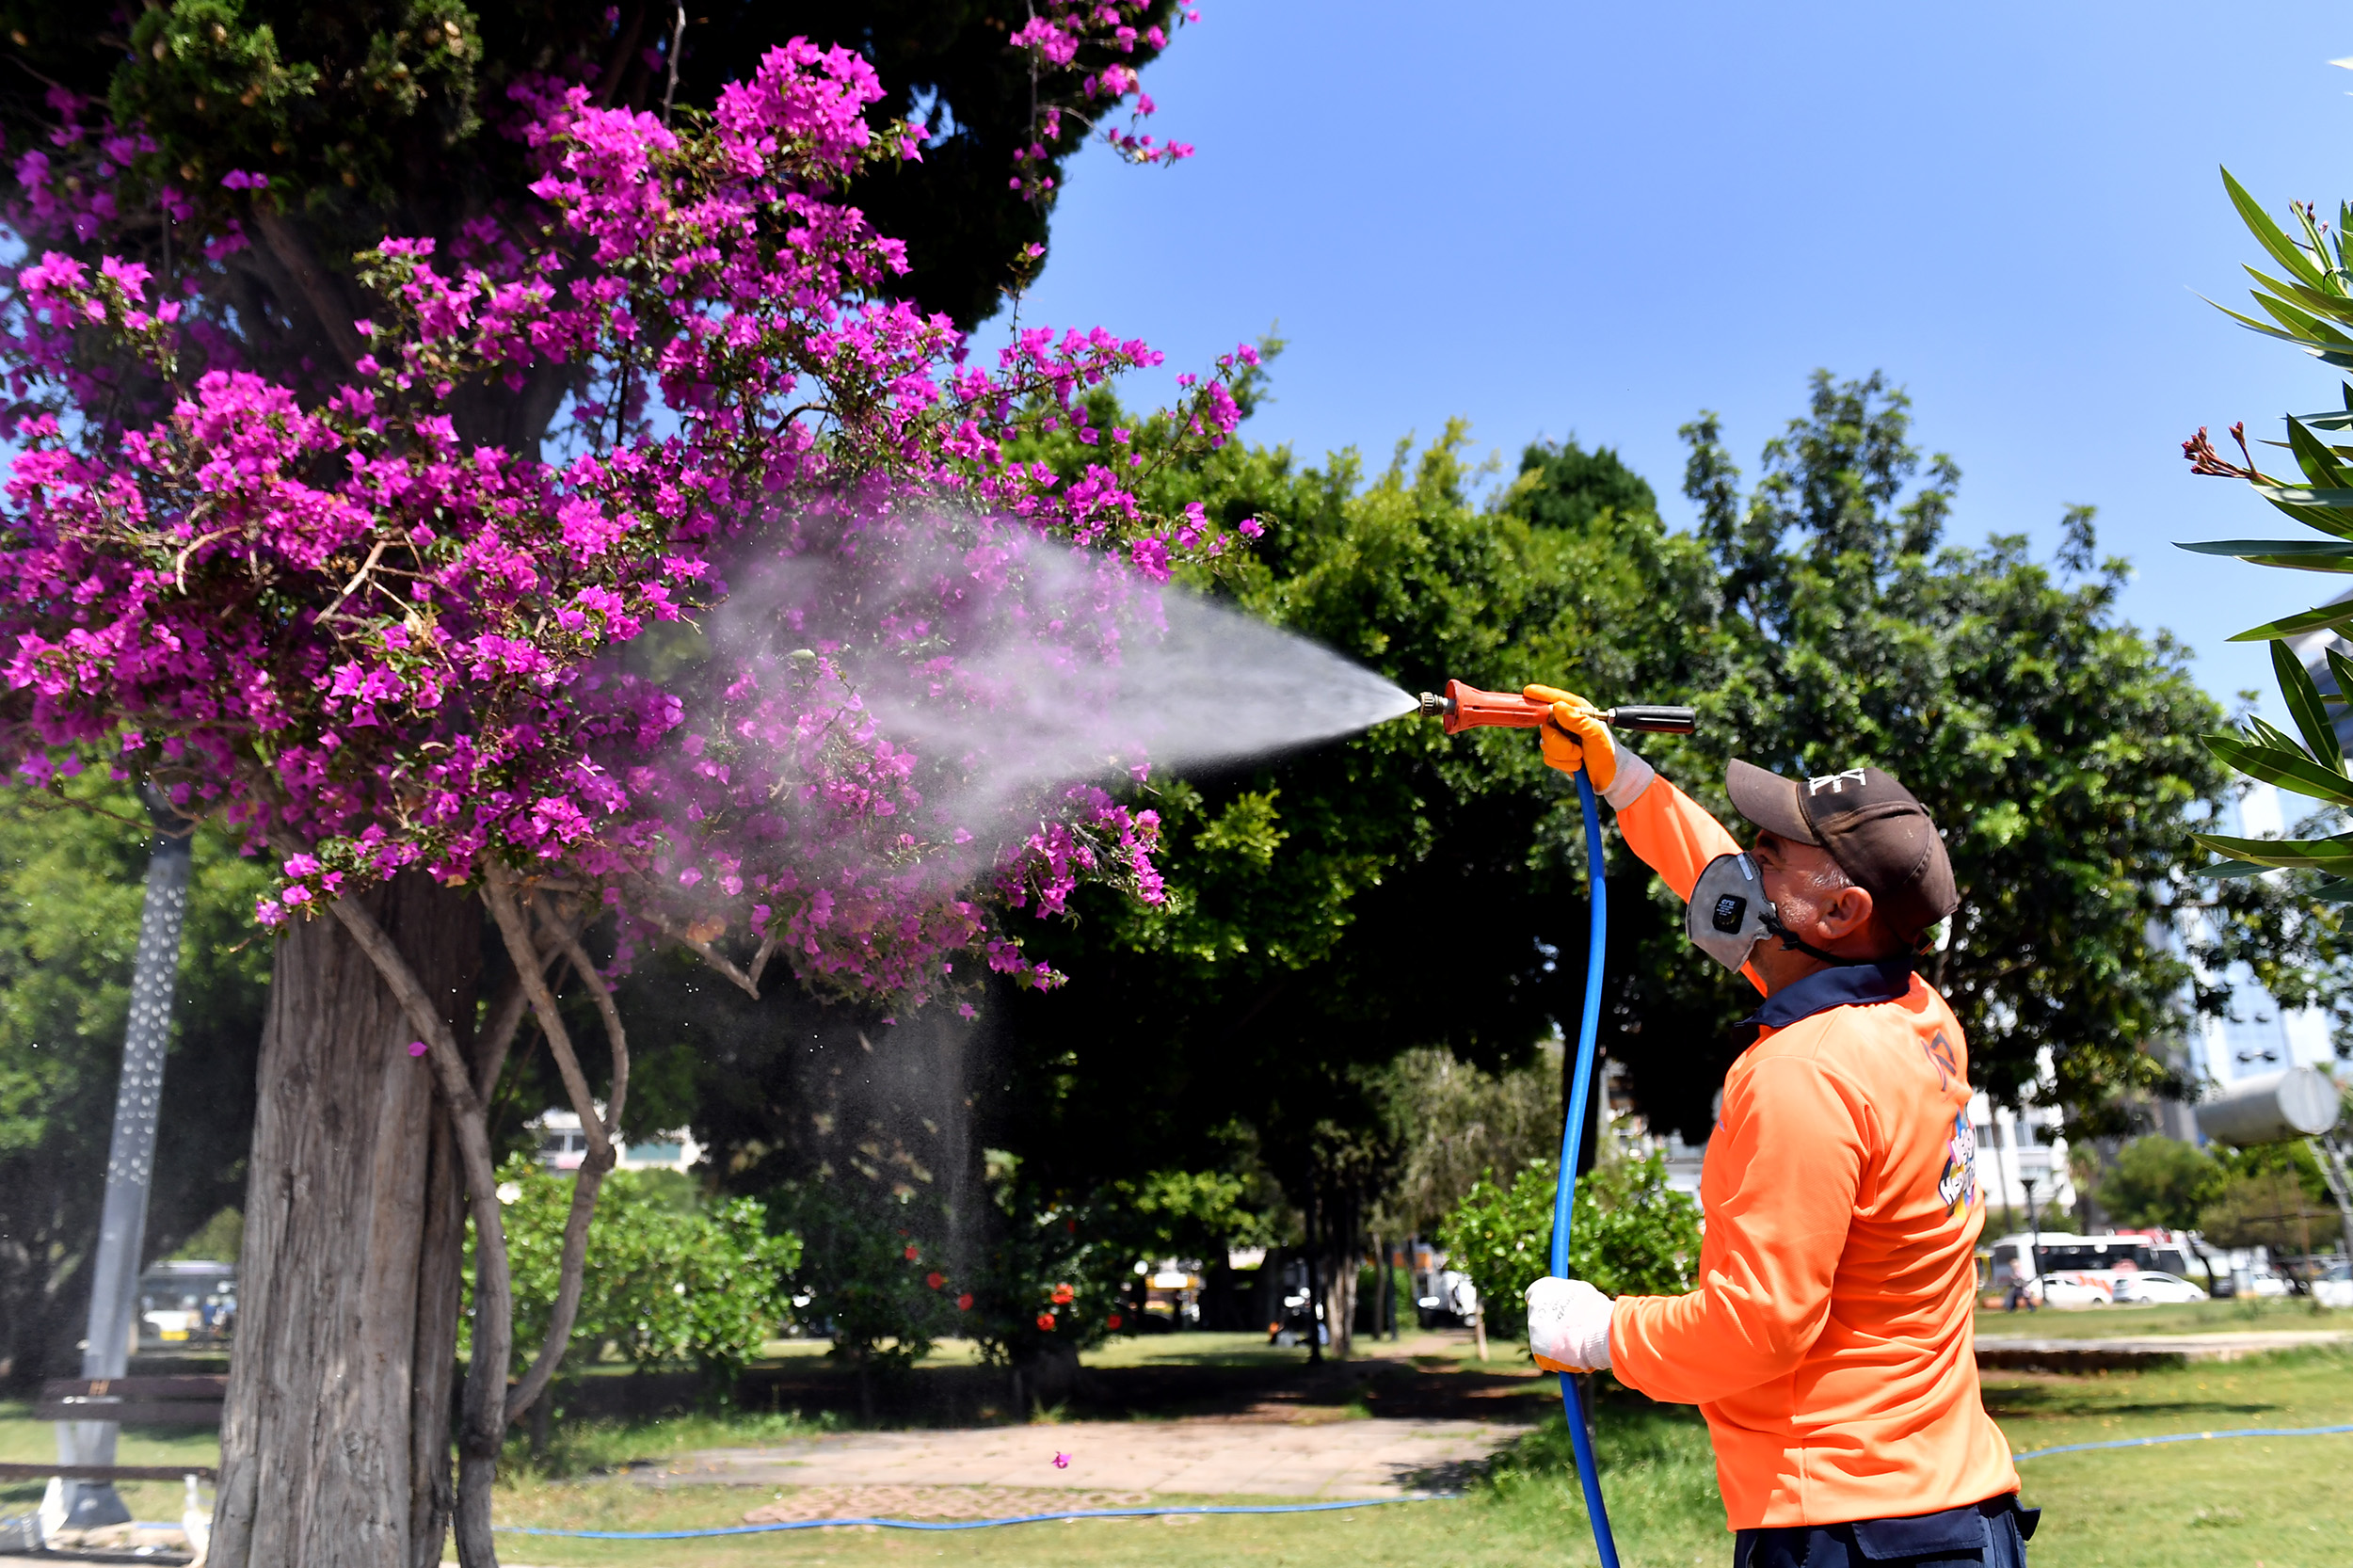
(1990, 1534)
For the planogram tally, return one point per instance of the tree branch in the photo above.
(573, 1272)
(710, 955)
(498, 892)
(286, 246)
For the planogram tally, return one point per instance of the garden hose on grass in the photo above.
(1572, 1141)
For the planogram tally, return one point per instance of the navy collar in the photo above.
(1848, 985)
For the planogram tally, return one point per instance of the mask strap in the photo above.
(1792, 942)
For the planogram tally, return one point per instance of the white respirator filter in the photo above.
(1728, 913)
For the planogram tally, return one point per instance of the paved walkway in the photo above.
(2148, 1350)
(1133, 1459)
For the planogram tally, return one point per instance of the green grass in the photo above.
(580, 1448)
(2279, 1502)
(2254, 1315)
(23, 1440)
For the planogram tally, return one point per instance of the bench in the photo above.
(177, 1401)
(173, 1401)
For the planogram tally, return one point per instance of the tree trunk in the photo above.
(432, 1491)
(335, 1438)
(1339, 1304)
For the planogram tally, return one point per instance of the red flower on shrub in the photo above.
(1112, 1321)
(1065, 1295)
(1045, 1322)
(935, 1279)
(912, 1253)
(964, 1302)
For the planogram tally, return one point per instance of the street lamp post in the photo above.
(2034, 1165)
(130, 1161)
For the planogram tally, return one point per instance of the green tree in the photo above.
(70, 887)
(2051, 740)
(1333, 908)
(2271, 1204)
(1630, 1234)
(2160, 1181)
(1462, 1122)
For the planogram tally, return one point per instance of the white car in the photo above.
(2336, 1287)
(2075, 1287)
(2151, 1287)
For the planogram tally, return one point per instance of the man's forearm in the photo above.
(1665, 826)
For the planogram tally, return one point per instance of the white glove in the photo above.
(1568, 1325)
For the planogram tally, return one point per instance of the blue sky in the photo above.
(1570, 219)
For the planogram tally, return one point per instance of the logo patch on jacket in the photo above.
(1959, 1180)
(1939, 1051)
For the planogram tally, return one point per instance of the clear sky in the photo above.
(1560, 220)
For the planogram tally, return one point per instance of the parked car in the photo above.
(2262, 1282)
(2151, 1288)
(2334, 1286)
(2073, 1289)
(186, 1304)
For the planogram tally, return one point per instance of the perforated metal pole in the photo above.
(130, 1162)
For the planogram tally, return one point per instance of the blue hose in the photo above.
(2184, 1437)
(1572, 1137)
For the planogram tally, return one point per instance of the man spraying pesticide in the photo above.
(1829, 1341)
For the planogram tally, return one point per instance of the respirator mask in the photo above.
(1729, 914)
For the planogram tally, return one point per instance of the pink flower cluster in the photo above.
(643, 671)
(1085, 46)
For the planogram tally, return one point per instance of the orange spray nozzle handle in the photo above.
(1469, 707)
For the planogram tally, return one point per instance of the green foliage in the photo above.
(72, 888)
(1333, 908)
(2272, 1204)
(374, 114)
(869, 1275)
(219, 1239)
(670, 1282)
(1630, 1234)
(2309, 308)
(2052, 742)
(1462, 1122)
(1060, 1269)
(2160, 1181)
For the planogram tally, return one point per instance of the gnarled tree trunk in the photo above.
(336, 1435)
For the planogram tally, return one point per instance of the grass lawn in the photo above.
(23, 1440)
(2277, 1502)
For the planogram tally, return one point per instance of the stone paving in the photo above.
(2022, 1354)
(1135, 1461)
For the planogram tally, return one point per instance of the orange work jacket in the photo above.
(1828, 1340)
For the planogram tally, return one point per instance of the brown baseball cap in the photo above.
(1872, 827)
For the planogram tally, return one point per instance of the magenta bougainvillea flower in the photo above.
(649, 664)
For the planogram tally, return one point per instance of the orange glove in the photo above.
(1575, 736)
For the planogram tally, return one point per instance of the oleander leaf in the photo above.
(2286, 767)
(2316, 855)
(2305, 707)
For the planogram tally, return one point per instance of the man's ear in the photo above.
(1846, 912)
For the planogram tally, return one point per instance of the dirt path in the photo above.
(1131, 1461)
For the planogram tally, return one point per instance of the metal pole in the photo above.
(2330, 1160)
(2034, 1229)
(130, 1161)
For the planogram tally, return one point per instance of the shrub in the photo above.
(1631, 1234)
(676, 1281)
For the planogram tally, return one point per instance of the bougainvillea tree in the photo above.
(637, 677)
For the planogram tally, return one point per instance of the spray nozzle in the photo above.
(1469, 707)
